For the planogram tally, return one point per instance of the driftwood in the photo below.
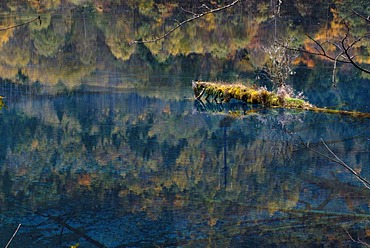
(222, 92)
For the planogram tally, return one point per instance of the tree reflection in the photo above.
(220, 175)
(150, 159)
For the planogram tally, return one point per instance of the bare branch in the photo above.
(339, 161)
(205, 6)
(195, 17)
(336, 159)
(344, 51)
(348, 56)
(22, 24)
(76, 231)
(320, 50)
(358, 40)
(318, 44)
(11, 239)
(335, 69)
(358, 240)
(361, 16)
(189, 12)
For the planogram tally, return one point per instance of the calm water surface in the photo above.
(154, 167)
(137, 162)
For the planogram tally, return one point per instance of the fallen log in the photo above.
(2, 103)
(224, 92)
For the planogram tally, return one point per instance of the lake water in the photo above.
(101, 150)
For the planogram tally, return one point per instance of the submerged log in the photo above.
(223, 92)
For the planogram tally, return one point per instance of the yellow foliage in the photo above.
(5, 36)
(2, 104)
(208, 22)
(75, 245)
(146, 7)
(34, 144)
(306, 60)
(336, 30)
(137, 189)
(117, 39)
(14, 56)
(284, 203)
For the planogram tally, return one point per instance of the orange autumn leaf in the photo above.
(84, 180)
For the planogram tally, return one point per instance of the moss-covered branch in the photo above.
(2, 103)
(221, 92)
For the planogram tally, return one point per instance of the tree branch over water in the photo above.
(334, 159)
(339, 161)
(180, 24)
(22, 24)
(344, 47)
(361, 16)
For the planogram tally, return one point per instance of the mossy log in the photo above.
(223, 92)
(2, 104)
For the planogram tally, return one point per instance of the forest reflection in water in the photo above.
(102, 143)
(136, 168)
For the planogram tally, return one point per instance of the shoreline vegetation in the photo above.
(224, 92)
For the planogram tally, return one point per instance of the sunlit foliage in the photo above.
(234, 38)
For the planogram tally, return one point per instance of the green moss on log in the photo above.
(2, 104)
(221, 92)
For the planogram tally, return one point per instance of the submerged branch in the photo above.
(15, 233)
(76, 231)
(334, 159)
(358, 240)
(339, 161)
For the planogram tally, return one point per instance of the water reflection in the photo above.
(131, 169)
(88, 162)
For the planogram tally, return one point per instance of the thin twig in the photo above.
(346, 52)
(76, 231)
(22, 24)
(336, 159)
(358, 240)
(341, 162)
(15, 233)
(195, 16)
(189, 12)
(361, 16)
(321, 52)
(335, 69)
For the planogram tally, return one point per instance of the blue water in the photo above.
(141, 168)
